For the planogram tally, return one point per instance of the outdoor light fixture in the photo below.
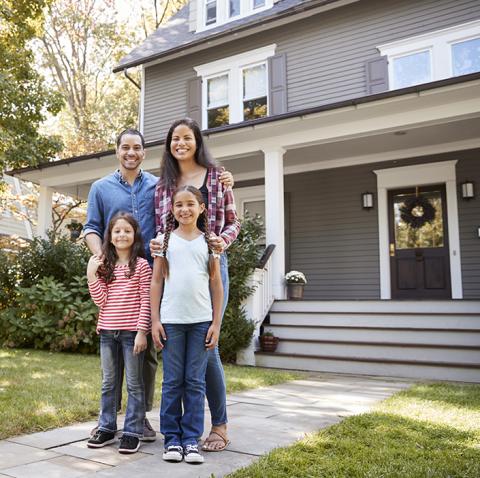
(367, 200)
(468, 191)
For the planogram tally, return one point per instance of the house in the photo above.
(354, 125)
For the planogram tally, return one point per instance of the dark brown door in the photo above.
(419, 256)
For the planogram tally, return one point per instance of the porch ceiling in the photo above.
(426, 122)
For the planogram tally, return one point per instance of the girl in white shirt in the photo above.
(186, 301)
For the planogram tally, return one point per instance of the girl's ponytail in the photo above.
(164, 268)
(211, 255)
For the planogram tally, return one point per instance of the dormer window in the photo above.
(217, 12)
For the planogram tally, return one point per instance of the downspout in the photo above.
(131, 79)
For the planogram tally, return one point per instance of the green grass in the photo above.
(430, 430)
(44, 390)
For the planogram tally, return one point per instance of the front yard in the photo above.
(43, 390)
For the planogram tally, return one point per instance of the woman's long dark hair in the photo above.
(169, 169)
(106, 271)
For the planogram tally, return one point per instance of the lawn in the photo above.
(43, 390)
(428, 431)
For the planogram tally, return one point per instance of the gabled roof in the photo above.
(175, 36)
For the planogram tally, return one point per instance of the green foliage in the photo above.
(237, 330)
(44, 299)
(25, 99)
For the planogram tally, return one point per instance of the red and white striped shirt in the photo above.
(125, 302)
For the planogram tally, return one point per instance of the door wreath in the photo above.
(417, 211)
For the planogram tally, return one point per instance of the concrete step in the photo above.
(385, 306)
(378, 319)
(382, 351)
(376, 334)
(383, 367)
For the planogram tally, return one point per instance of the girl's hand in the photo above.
(93, 264)
(158, 334)
(211, 339)
(226, 178)
(217, 243)
(156, 246)
(140, 342)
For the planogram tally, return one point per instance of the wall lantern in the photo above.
(468, 190)
(367, 200)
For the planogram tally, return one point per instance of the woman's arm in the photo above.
(231, 227)
(216, 289)
(156, 288)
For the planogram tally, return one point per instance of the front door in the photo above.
(419, 254)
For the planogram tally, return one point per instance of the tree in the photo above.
(81, 42)
(25, 100)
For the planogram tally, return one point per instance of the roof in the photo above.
(270, 119)
(175, 36)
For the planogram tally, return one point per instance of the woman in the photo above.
(186, 161)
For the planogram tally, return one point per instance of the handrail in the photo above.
(258, 304)
(265, 256)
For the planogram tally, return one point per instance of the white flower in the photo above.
(295, 277)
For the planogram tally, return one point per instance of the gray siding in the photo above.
(335, 242)
(469, 222)
(326, 54)
(332, 239)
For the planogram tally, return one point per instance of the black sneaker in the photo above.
(192, 455)
(100, 439)
(128, 444)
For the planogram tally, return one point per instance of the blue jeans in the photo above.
(184, 367)
(113, 345)
(215, 377)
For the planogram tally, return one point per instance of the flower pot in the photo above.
(268, 343)
(295, 291)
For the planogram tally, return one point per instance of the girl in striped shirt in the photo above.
(119, 283)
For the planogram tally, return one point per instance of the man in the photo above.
(131, 190)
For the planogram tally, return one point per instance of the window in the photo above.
(437, 55)
(235, 89)
(210, 12)
(218, 12)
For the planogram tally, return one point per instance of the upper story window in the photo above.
(235, 89)
(434, 56)
(217, 12)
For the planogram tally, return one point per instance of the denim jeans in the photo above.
(113, 345)
(215, 377)
(184, 367)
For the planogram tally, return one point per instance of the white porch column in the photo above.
(44, 222)
(275, 216)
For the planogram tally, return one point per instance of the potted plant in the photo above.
(268, 342)
(295, 284)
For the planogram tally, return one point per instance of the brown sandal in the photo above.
(215, 437)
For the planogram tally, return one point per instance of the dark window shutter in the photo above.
(194, 96)
(277, 84)
(377, 75)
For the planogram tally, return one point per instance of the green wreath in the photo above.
(417, 211)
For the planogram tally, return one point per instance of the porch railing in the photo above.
(259, 303)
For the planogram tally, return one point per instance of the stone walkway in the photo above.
(260, 420)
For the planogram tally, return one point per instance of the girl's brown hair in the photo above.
(164, 268)
(106, 271)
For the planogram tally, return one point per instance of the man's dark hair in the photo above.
(133, 132)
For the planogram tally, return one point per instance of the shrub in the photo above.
(243, 254)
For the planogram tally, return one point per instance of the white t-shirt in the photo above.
(186, 295)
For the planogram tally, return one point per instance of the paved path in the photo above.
(260, 420)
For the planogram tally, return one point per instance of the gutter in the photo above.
(303, 7)
(272, 119)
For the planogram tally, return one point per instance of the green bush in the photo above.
(243, 254)
(44, 298)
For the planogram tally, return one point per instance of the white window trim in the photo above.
(438, 43)
(233, 66)
(246, 195)
(246, 9)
